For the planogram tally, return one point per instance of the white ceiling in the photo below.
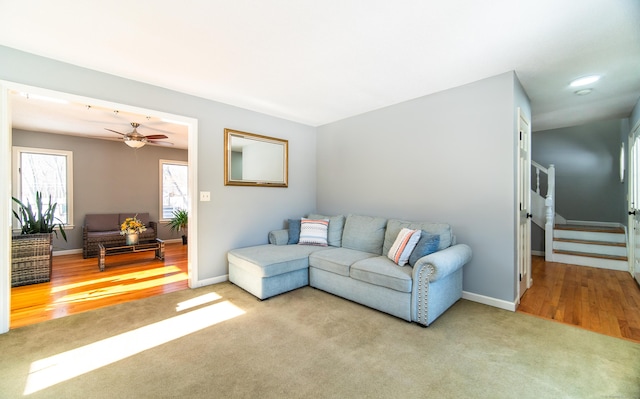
(38, 113)
(316, 62)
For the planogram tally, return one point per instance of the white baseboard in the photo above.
(67, 252)
(538, 253)
(486, 300)
(210, 281)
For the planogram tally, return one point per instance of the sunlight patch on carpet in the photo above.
(53, 370)
(197, 301)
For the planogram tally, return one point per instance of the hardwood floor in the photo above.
(600, 300)
(77, 285)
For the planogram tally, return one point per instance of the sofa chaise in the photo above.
(105, 228)
(356, 263)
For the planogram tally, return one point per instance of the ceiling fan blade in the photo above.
(164, 143)
(149, 127)
(115, 131)
(156, 137)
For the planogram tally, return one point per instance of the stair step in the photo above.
(602, 235)
(590, 242)
(590, 255)
(599, 229)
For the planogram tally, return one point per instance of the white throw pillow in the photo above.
(314, 232)
(403, 246)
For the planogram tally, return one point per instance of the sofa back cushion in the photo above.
(394, 226)
(336, 225)
(142, 216)
(365, 233)
(102, 222)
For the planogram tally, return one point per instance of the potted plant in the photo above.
(31, 250)
(40, 220)
(179, 222)
(131, 229)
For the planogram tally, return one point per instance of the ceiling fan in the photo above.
(136, 140)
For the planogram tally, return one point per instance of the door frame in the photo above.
(633, 199)
(5, 182)
(523, 211)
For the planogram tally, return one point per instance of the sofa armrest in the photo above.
(444, 262)
(279, 237)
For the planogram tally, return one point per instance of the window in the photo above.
(47, 171)
(174, 179)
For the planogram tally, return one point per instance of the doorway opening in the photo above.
(7, 89)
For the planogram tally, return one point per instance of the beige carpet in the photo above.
(308, 344)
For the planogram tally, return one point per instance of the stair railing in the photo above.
(549, 204)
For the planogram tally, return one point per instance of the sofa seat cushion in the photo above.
(96, 235)
(272, 260)
(338, 260)
(383, 272)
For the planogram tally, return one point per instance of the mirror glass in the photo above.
(254, 160)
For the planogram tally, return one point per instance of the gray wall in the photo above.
(235, 216)
(103, 182)
(445, 157)
(586, 160)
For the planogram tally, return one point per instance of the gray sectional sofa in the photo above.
(354, 265)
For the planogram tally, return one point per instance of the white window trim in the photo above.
(161, 188)
(17, 182)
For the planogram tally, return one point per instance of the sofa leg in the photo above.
(421, 325)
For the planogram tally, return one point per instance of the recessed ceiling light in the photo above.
(585, 80)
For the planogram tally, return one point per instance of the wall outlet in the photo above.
(205, 196)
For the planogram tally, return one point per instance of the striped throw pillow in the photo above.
(403, 246)
(314, 232)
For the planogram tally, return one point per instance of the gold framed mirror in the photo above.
(255, 160)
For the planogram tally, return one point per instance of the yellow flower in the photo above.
(131, 226)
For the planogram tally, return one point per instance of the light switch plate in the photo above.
(205, 196)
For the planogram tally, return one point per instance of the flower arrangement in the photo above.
(132, 226)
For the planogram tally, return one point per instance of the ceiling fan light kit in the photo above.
(136, 140)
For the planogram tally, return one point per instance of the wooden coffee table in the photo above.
(116, 249)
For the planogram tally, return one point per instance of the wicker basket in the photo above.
(31, 259)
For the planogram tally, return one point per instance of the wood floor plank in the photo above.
(604, 301)
(77, 285)
(601, 300)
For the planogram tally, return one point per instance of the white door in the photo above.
(634, 203)
(524, 204)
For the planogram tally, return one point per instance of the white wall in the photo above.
(235, 216)
(446, 157)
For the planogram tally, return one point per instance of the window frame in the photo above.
(163, 162)
(16, 191)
